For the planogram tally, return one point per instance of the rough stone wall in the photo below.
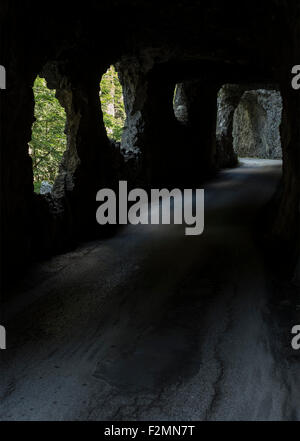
(285, 226)
(256, 125)
(192, 107)
(91, 161)
(168, 152)
(201, 109)
(228, 100)
(180, 105)
(17, 197)
(134, 84)
(16, 119)
(286, 217)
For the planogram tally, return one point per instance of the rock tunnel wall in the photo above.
(90, 162)
(157, 148)
(228, 99)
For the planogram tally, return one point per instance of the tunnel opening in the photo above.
(112, 104)
(256, 125)
(48, 140)
(248, 122)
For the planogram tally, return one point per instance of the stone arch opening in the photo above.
(256, 125)
(48, 140)
(248, 122)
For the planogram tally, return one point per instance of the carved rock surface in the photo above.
(256, 127)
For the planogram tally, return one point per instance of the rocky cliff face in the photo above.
(256, 127)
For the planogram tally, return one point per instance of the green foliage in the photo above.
(37, 186)
(48, 141)
(112, 104)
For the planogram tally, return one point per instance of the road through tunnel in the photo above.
(184, 95)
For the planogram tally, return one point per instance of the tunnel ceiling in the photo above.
(238, 39)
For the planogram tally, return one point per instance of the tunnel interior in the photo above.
(161, 125)
(198, 86)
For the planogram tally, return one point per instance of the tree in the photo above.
(48, 141)
(112, 104)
